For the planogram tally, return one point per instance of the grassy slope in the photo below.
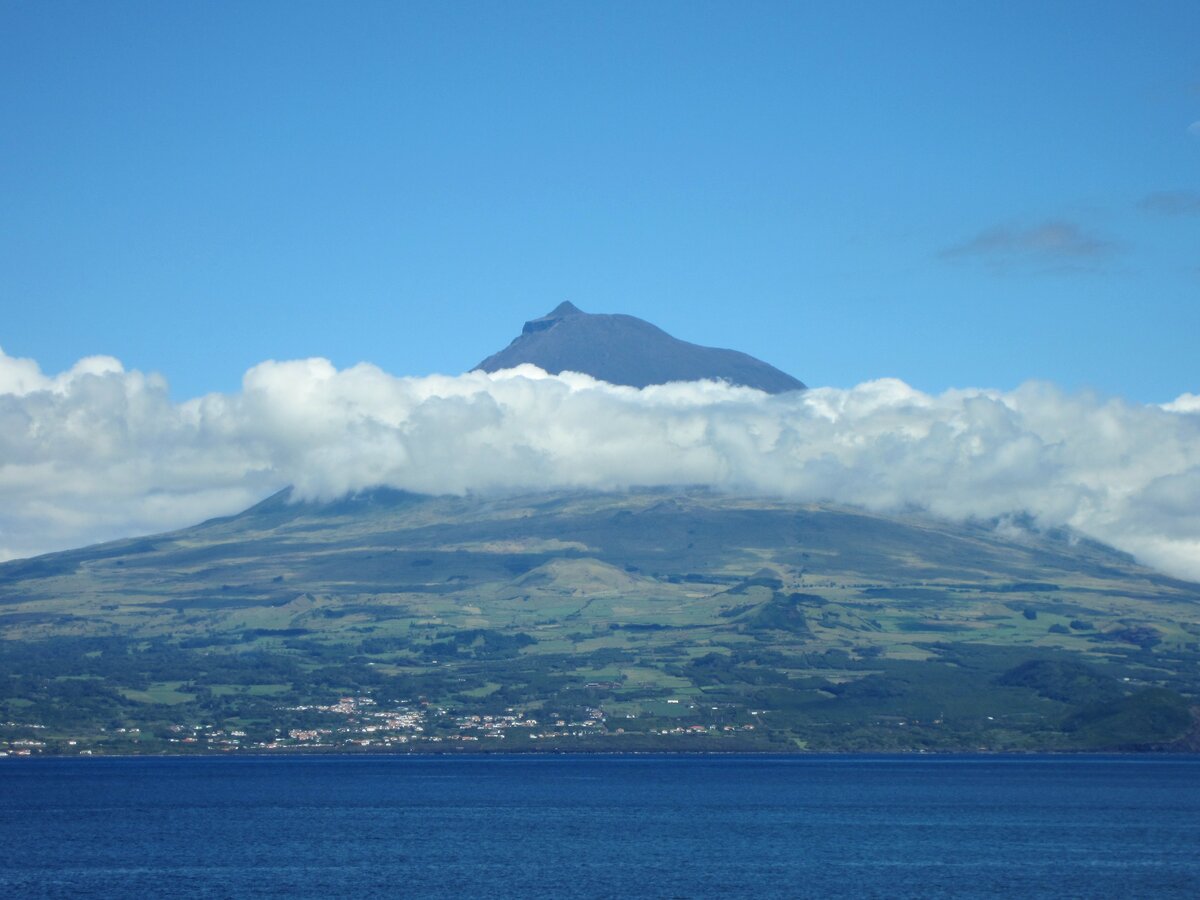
(819, 627)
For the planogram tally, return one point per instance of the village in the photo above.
(351, 723)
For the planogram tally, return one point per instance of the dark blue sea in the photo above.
(601, 826)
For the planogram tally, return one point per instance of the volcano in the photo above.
(648, 619)
(627, 350)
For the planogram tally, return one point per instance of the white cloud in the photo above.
(1184, 403)
(99, 452)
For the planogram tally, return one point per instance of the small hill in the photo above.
(577, 577)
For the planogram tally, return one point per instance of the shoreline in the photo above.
(892, 755)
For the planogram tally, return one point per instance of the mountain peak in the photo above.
(626, 350)
(564, 309)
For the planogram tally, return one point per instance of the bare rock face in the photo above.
(626, 350)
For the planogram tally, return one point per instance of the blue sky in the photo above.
(958, 194)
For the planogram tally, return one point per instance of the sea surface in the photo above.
(601, 826)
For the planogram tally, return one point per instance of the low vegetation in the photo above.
(644, 621)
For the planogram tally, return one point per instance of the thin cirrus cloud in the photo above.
(98, 452)
(1172, 203)
(1055, 245)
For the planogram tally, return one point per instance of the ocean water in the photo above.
(601, 826)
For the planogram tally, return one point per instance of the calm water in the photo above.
(601, 827)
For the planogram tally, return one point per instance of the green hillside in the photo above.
(583, 621)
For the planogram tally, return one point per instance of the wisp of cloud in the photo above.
(98, 452)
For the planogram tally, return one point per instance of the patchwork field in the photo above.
(644, 620)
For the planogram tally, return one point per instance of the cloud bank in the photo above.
(98, 452)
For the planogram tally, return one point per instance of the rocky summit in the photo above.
(627, 350)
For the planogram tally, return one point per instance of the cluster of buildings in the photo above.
(21, 746)
(367, 726)
(208, 736)
(364, 725)
(474, 727)
(703, 729)
(592, 723)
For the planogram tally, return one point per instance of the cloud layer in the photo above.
(98, 452)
